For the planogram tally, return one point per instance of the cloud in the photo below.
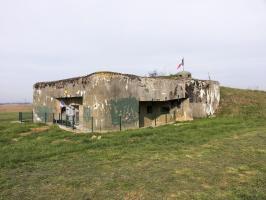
(46, 40)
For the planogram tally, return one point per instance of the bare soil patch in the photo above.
(35, 130)
(15, 107)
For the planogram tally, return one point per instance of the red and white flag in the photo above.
(181, 64)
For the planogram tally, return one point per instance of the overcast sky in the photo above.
(42, 40)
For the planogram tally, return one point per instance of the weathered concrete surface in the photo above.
(204, 97)
(111, 98)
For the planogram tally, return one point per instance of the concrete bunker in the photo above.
(109, 101)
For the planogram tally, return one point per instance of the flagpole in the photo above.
(183, 64)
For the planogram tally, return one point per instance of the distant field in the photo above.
(15, 107)
(215, 158)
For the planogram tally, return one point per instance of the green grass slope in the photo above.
(242, 103)
(216, 158)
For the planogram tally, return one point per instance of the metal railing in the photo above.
(89, 122)
(68, 121)
(25, 116)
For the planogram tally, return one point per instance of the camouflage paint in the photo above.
(87, 114)
(127, 108)
(41, 110)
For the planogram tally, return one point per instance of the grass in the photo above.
(215, 158)
(8, 117)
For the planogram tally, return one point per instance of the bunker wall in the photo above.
(110, 99)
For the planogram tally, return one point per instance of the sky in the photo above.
(56, 39)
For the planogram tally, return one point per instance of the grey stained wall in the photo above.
(113, 97)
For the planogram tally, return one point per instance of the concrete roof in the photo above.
(70, 80)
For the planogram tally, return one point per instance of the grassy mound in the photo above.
(242, 103)
(216, 158)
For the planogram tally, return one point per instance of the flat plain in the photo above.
(13, 107)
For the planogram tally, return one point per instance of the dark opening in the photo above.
(149, 109)
(165, 110)
(175, 103)
(63, 109)
(69, 107)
